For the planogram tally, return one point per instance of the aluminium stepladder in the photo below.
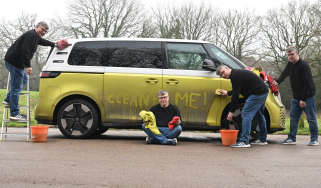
(6, 111)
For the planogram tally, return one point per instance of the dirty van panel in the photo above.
(125, 95)
(132, 80)
(190, 87)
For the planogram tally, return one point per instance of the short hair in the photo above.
(220, 68)
(291, 49)
(43, 24)
(162, 92)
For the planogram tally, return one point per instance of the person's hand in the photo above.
(302, 104)
(230, 116)
(28, 70)
(62, 44)
(223, 92)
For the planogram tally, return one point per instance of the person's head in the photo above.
(223, 71)
(42, 28)
(292, 53)
(163, 98)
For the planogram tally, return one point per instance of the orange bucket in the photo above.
(228, 136)
(39, 133)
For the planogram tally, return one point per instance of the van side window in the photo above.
(224, 57)
(139, 54)
(185, 56)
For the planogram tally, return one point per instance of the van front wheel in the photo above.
(237, 124)
(77, 118)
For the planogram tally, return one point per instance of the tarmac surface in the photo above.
(120, 158)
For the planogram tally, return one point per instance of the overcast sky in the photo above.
(46, 9)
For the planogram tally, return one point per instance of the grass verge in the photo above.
(34, 99)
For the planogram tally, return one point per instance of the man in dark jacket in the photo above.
(164, 113)
(255, 92)
(17, 60)
(303, 96)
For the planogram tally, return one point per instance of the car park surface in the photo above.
(120, 158)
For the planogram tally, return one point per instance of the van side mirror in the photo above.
(208, 65)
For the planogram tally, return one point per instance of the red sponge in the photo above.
(62, 44)
(173, 122)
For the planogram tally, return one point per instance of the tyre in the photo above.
(237, 123)
(101, 130)
(77, 118)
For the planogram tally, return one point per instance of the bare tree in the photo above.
(104, 18)
(295, 24)
(236, 32)
(186, 22)
(167, 23)
(148, 29)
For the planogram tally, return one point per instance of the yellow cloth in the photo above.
(256, 71)
(150, 121)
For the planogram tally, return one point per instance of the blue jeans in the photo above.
(166, 134)
(254, 104)
(310, 111)
(18, 78)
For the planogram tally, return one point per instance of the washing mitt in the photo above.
(150, 121)
(173, 122)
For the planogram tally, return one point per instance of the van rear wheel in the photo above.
(101, 130)
(77, 118)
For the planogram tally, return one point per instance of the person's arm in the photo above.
(235, 95)
(284, 74)
(27, 46)
(307, 78)
(44, 42)
(177, 113)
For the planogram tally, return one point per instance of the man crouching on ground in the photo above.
(167, 119)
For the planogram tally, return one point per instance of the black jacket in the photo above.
(247, 83)
(165, 115)
(300, 78)
(21, 51)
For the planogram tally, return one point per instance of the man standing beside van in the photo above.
(164, 113)
(303, 96)
(17, 61)
(255, 92)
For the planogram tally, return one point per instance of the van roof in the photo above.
(136, 39)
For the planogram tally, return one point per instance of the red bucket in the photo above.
(229, 136)
(39, 133)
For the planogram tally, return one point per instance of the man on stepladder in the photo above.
(17, 61)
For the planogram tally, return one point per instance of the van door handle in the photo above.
(58, 61)
(172, 82)
(152, 81)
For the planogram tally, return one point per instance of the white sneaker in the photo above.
(259, 142)
(18, 117)
(314, 143)
(175, 140)
(288, 141)
(172, 141)
(241, 145)
(5, 103)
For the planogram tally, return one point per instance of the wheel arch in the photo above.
(70, 97)
(266, 115)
